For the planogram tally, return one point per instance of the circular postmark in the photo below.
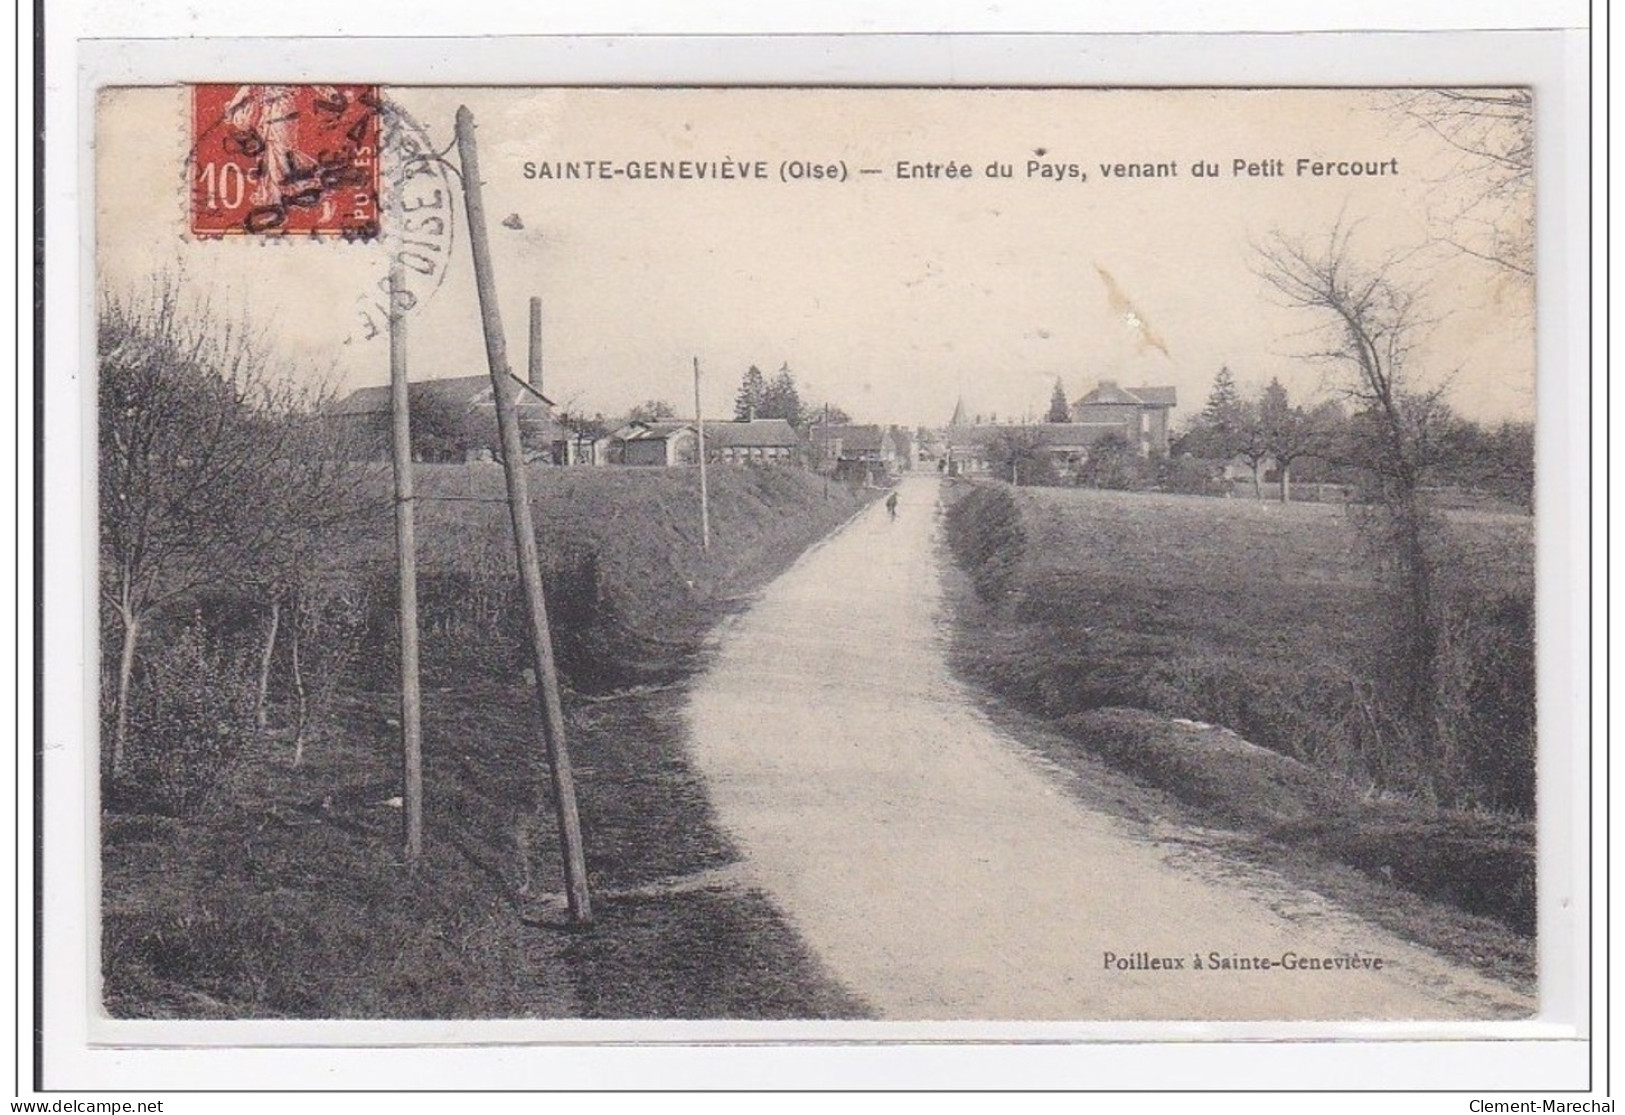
(419, 223)
(283, 163)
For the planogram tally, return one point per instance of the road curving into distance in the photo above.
(941, 872)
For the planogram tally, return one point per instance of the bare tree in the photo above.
(202, 452)
(176, 458)
(1373, 323)
(1250, 440)
(1492, 179)
(583, 430)
(315, 506)
(1289, 432)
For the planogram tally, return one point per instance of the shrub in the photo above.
(987, 538)
(192, 709)
(1189, 476)
(328, 637)
(474, 617)
(1488, 689)
(1452, 678)
(1112, 463)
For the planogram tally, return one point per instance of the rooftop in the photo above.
(460, 391)
(758, 433)
(853, 438)
(1108, 393)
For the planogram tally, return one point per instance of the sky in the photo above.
(890, 296)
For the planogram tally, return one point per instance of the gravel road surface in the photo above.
(942, 872)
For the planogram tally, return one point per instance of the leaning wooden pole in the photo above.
(705, 493)
(524, 534)
(406, 564)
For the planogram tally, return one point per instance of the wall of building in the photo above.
(644, 451)
(747, 454)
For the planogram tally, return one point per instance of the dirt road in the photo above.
(942, 872)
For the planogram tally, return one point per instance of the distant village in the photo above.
(454, 421)
(1134, 421)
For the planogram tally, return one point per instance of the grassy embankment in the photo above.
(281, 892)
(1105, 616)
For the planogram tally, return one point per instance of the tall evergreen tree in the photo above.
(1215, 432)
(1059, 411)
(752, 393)
(781, 399)
(1223, 401)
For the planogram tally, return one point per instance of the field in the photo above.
(269, 889)
(1106, 616)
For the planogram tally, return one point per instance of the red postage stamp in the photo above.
(285, 159)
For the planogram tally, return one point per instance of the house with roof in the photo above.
(676, 442)
(965, 449)
(1141, 412)
(453, 419)
(854, 452)
(986, 448)
(905, 447)
(757, 441)
(1140, 415)
(663, 444)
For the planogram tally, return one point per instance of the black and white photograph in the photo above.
(763, 554)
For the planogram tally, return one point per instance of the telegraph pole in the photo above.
(407, 566)
(705, 495)
(524, 533)
(825, 466)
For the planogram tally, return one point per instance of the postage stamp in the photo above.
(285, 159)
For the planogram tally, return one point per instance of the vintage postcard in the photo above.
(859, 555)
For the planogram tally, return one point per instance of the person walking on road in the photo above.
(891, 505)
